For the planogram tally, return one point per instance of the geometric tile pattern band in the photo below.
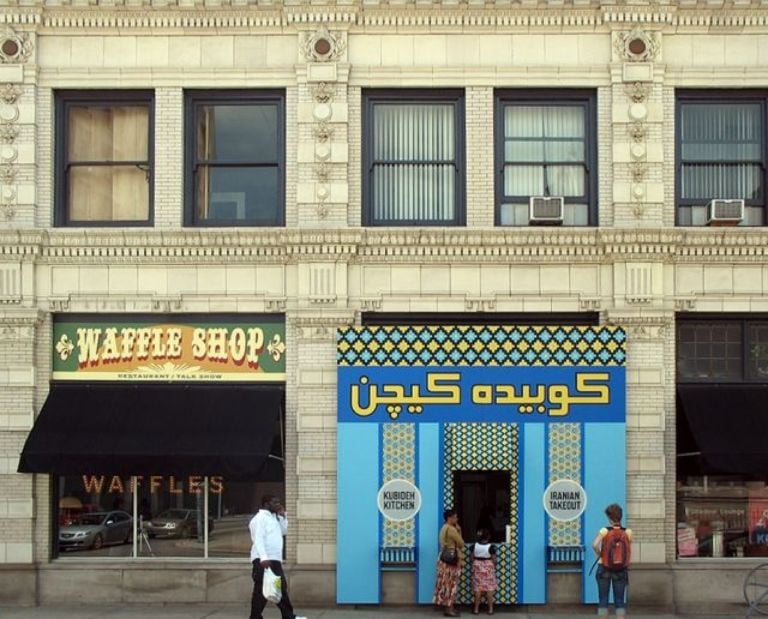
(480, 345)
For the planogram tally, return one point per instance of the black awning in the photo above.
(729, 424)
(148, 429)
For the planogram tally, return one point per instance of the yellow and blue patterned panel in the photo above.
(398, 462)
(486, 447)
(480, 345)
(564, 463)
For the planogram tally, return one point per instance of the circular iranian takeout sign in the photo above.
(399, 499)
(564, 500)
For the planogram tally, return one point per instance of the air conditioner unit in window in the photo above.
(546, 211)
(725, 212)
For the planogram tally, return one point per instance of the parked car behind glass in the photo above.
(175, 523)
(96, 529)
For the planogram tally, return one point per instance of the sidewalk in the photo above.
(218, 611)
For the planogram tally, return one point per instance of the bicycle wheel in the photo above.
(756, 589)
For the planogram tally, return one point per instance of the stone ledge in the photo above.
(284, 245)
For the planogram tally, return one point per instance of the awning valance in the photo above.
(149, 429)
(729, 424)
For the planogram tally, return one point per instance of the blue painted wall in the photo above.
(429, 520)
(605, 473)
(357, 557)
(532, 568)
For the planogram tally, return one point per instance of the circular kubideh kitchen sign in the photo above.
(399, 499)
(564, 499)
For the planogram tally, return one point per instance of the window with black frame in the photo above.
(235, 152)
(413, 169)
(722, 394)
(721, 157)
(546, 158)
(104, 161)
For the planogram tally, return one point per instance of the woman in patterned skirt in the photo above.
(483, 570)
(448, 574)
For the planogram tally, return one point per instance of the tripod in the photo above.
(144, 538)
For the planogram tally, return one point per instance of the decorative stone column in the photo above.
(637, 119)
(17, 128)
(322, 194)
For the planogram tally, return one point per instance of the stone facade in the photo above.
(323, 268)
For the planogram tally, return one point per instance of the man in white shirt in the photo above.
(268, 527)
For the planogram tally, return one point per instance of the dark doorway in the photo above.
(482, 500)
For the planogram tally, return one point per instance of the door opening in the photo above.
(482, 501)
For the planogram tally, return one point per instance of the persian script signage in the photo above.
(158, 348)
(481, 394)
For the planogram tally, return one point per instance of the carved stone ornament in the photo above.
(323, 92)
(323, 46)
(652, 328)
(8, 133)
(322, 210)
(10, 93)
(637, 131)
(320, 327)
(638, 170)
(637, 45)
(7, 173)
(637, 92)
(322, 132)
(15, 47)
(323, 172)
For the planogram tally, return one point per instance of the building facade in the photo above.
(190, 172)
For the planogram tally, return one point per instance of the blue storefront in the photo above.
(481, 418)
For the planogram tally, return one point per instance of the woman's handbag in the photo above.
(271, 588)
(449, 555)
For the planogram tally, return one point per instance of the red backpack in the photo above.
(616, 551)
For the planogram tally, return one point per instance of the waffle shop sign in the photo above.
(154, 350)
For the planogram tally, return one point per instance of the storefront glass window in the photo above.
(96, 515)
(722, 516)
(232, 505)
(722, 487)
(170, 511)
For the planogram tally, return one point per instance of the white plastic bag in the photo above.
(272, 587)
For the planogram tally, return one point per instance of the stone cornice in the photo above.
(366, 245)
(448, 15)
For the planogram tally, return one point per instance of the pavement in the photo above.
(239, 611)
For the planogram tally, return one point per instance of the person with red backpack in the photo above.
(613, 546)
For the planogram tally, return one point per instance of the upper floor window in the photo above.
(546, 158)
(235, 148)
(413, 164)
(104, 158)
(720, 156)
(722, 350)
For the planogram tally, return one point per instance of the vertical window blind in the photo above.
(721, 150)
(413, 169)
